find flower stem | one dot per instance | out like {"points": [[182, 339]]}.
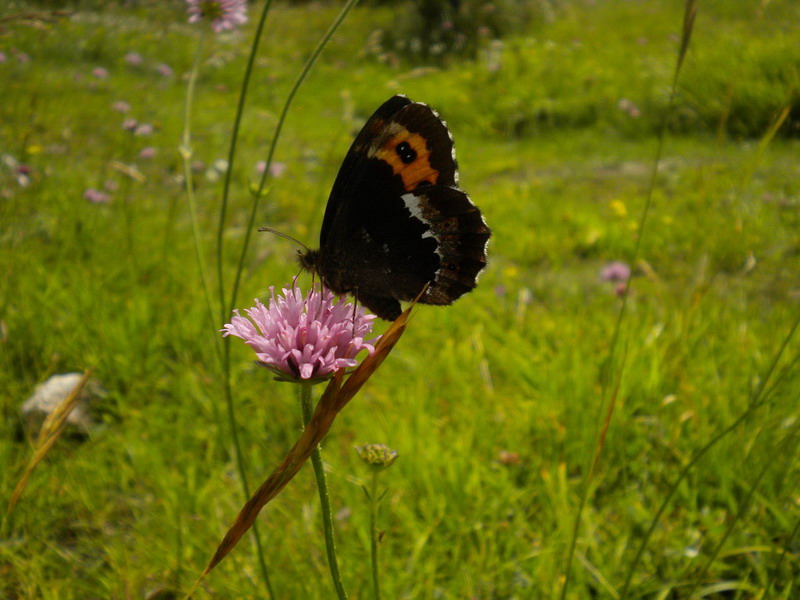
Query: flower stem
{"points": [[237, 121], [349, 4], [373, 529], [324, 500], [186, 156]]}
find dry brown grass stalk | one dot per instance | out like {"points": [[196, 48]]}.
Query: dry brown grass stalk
{"points": [[339, 392], [51, 430]]}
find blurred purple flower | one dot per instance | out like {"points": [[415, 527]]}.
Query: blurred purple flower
{"points": [[223, 14], [110, 185], [143, 129], [133, 58], [23, 57], [2, 57], [629, 107], [130, 124], [148, 152], [121, 106], [100, 72], [96, 196], [616, 272], [276, 169], [304, 338], [165, 70]]}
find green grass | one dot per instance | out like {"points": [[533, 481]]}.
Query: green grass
{"points": [[519, 366]]}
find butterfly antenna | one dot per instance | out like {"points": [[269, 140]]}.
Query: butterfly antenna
{"points": [[285, 236]]}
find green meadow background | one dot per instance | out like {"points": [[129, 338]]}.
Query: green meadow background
{"points": [[687, 399]]}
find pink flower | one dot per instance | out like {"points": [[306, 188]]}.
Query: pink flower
{"points": [[133, 58], [143, 129], [223, 14], [629, 107], [616, 272], [121, 106], [100, 72], [96, 196], [2, 57], [276, 169], [165, 70], [304, 338], [148, 152], [130, 124]]}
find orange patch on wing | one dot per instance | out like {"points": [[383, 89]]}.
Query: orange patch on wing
{"points": [[419, 169]]}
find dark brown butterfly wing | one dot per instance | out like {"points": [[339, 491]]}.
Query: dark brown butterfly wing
{"points": [[395, 220]]}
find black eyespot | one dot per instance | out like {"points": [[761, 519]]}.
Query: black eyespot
{"points": [[406, 153]]}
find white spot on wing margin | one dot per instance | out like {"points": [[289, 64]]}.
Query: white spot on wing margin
{"points": [[412, 204]]}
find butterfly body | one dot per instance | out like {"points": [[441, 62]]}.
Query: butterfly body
{"points": [[396, 221]]}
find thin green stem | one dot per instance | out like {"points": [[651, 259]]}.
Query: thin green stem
{"points": [[186, 155], [226, 310], [689, 15], [758, 399], [789, 543], [744, 506], [260, 192], [225, 355], [373, 529], [324, 499], [237, 121], [241, 466]]}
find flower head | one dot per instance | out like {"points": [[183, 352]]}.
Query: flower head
{"points": [[133, 58], [223, 14], [165, 70], [616, 272], [96, 196], [143, 129], [306, 338], [121, 106], [377, 456], [276, 169]]}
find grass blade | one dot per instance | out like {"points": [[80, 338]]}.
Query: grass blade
{"points": [[690, 13], [51, 430], [759, 398]]}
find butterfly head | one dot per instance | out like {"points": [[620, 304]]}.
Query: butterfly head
{"points": [[309, 260]]}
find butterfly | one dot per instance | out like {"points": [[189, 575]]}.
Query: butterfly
{"points": [[396, 220]]}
